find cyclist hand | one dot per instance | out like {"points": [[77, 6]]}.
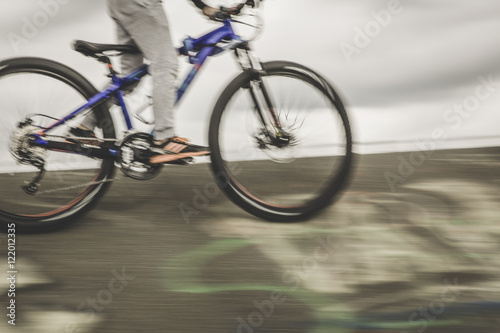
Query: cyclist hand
{"points": [[210, 12]]}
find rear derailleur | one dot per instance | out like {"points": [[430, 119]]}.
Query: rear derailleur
{"points": [[25, 152]]}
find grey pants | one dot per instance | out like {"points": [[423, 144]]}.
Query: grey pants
{"points": [[143, 23]]}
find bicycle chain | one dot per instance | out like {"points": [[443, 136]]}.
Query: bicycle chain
{"points": [[65, 188], [79, 138]]}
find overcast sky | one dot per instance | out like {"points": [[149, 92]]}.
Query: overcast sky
{"points": [[399, 65]]}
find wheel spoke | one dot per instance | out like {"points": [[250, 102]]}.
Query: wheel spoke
{"points": [[282, 175], [43, 93]]}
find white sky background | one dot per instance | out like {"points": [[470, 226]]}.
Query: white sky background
{"points": [[398, 88]]}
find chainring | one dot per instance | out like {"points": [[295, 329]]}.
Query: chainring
{"points": [[134, 155]]}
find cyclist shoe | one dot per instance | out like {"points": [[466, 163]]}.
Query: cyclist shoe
{"points": [[176, 148], [83, 133]]}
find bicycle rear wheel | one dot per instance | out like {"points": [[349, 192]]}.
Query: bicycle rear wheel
{"points": [[44, 91], [278, 179]]}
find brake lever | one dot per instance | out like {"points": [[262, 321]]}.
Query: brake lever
{"points": [[220, 16], [226, 12]]}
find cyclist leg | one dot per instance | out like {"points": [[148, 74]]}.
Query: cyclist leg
{"points": [[147, 26], [128, 61]]}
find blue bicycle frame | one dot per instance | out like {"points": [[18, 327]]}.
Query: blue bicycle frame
{"points": [[198, 50]]}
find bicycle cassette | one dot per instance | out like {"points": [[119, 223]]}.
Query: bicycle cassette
{"points": [[20, 146], [134, 155]]}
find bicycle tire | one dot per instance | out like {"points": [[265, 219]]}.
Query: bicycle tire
{"points": [[19, 70], [248, 199]]}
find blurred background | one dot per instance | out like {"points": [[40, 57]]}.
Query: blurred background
{"points": [[407, 248], [401, 66]]}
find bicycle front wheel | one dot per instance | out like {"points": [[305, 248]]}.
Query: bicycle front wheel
{"points": [[44, 91], [272, 177]]}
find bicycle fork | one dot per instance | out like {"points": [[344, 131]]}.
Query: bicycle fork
{"points": [[263, 103]]}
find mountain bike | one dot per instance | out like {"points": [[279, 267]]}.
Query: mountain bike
{"points": [[279, 134]]}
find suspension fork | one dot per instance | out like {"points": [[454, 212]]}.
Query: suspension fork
{"points": [[258, 85], [249, 63]]}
